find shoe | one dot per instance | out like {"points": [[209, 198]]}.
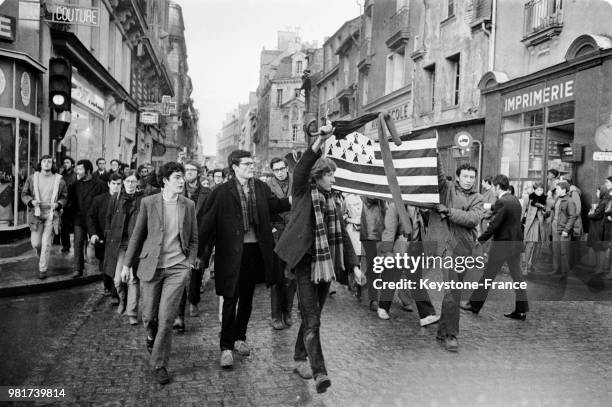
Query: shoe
{"points": [[288, 321], [383, 314], [429, 320], [407, 307], [469, 307], [242, 348], [322, 382], [114, 301], [520, 316], [179, 325], [161, 375], [278, 324], [42, 275], [133, 320], [451, 344], [193, 310], [303, 369], [150, 342], [77, 274], [227, 358], [374, 306]]}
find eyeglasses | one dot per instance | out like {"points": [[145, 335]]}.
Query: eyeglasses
{"points": [[280, 169], [131, 181]]}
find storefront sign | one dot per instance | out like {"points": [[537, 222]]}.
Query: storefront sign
{"points": [[26, 88], [87, 96], [149, 118], [74, 14], [602, 155], [547, 93], [7, 28], [400, 114]]}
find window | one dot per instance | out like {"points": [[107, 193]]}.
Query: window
{"points": [[454, 64], [395, 71], [429, 100], [279, 97], [451, 8], [364, 90], [345, 70], [294, 133], [298, 67]]}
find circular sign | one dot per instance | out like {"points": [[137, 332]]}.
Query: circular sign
{"points": [[603, 137], [25, 88], [2, 82], [463, 139]]}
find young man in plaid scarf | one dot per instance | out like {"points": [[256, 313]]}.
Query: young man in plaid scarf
{"points": [[316, 246]]}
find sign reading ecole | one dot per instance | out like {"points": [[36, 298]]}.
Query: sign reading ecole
{"points": [[551, 92]]}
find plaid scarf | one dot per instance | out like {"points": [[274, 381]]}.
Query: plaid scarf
{"points": [[328, 250], [247, 204]]}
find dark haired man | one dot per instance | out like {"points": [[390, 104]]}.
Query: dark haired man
{"points": [[80, 198], [165, 244], [564, 217], [452, 232], [283, 292], [101, 172], [237, 222], [67, 224], [505, 228], [217, 175], [115, 166], [45, 193], [489, 196]]}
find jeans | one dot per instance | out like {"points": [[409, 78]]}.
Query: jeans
{"points": [[369, 247], [496, 260], [234, 324], [80, 244], [282, 295], [160, 300], [192, 291], [131, 293], [311, 299], [42, 239], [66, 228]]}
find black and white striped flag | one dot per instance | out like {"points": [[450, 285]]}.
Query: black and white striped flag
{"points": [[361, 170]]}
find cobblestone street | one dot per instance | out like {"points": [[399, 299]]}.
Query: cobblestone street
{"points": [[561, 356]]}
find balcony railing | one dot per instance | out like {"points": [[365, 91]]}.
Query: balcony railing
{"points": [[543, 16], [397, 28]]}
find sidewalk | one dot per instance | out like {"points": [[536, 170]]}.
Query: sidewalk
{"points": [[19, 275]]}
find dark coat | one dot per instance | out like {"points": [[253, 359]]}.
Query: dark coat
{"points": [[199, 199], [80, 198], [600, 229], [96, 221], [505, 227], [298, 238], [114, 225], [102, 177], [222, 227]]}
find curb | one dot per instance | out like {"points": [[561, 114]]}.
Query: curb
{"points": [[39, 286]]}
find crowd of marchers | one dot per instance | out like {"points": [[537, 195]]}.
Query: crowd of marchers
{"points": [[158, 236]]}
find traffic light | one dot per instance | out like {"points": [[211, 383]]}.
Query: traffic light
{"points": [[60, 84]]}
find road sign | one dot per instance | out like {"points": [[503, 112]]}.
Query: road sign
{"points": [[167, 106], [602, 155], [463, 139], [74, 14], [149, 118]]}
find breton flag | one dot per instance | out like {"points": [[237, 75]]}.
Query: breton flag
{"points": [[361, 171]]}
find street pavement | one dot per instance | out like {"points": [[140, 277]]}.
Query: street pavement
{"points": [[560, 356]]}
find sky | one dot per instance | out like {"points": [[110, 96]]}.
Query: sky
{"points": [[224, 40]]}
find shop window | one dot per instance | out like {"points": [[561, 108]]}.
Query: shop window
{"points": [[522, 157], [512, 123], [7, 171], [534, 118], [561, 112]]}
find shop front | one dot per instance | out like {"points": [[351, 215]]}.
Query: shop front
{"points": [[20, 139]]}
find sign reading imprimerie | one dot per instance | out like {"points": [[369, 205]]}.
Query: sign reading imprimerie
{"points": [[74, 14], [547, 93]]}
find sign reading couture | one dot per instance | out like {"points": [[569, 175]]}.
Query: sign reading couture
{"points": [[543, 94], [74, 14]]}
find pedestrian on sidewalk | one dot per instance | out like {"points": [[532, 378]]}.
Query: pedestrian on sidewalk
{"points": [[451, 231], [283, 292], [600, 231], [316, 246], [371, 228], [505, 229], [45, 194], [101, 172], [198, 195], [164, 241], [96, 227], [67, 223], [535, 229], [563, 218], [80, 198], [120, 222], [237, 221]]}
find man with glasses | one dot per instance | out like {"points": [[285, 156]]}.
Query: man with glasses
{"points": [[237, 221], [282, 293]]}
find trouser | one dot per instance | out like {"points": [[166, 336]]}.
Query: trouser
{"points": [[42, 239], [449, 316], [128, 293], [191, 293], [496, 259], [561, 247], [282, 295], [600, 261], [80, 244], [107, 280], [160, 299], [66, 228], [369, 247], [532, 252], [311, 299], [234, 323]]}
